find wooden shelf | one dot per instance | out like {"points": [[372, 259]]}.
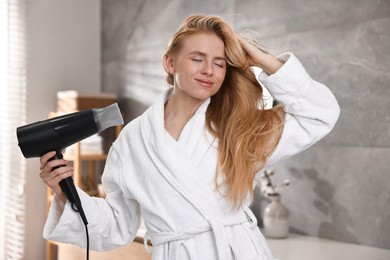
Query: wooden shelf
{"points": [[86, 157]]}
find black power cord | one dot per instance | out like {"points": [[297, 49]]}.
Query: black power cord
{"points": [[78, 208], [86, 232]]}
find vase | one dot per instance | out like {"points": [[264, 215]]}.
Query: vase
{"points": [[275, 219]]}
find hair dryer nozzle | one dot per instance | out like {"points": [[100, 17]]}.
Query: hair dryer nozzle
{"points": [[107, 117]]}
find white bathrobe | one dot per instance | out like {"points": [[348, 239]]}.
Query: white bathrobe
{"points": [[171, 183]]}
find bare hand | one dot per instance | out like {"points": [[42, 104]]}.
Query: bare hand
{"points": [[52, 177], [259, 58], [253, 52]]}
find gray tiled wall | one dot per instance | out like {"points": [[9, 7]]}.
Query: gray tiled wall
{"points": [[339, 186]]}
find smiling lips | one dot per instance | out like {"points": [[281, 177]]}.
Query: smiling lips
{"points": [[205, 83]]}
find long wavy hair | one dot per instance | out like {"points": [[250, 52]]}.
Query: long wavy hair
{"points": [[247, 133]]}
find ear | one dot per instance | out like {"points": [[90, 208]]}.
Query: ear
{"points": [[168, 63]]}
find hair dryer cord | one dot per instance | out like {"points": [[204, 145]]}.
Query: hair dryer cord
{"points": [[78, 208]]}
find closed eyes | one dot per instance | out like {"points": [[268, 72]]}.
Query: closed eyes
{"points": [[201, 60]]}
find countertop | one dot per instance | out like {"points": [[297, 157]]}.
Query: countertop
{"points": [[313, 248], [301, 247]]}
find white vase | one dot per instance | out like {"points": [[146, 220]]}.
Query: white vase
{"points": [[275, 219]]}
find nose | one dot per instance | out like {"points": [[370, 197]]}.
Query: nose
{"points": [[208, 69]]}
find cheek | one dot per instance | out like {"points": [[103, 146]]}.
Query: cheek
{"points": [[221, 75], [186, 70], [221, 79]]}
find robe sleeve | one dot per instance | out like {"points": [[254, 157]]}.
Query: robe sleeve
{"points": [[113, 221], [311, 109]]}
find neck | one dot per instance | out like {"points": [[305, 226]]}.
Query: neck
{"points": [[177, 112], [181, 107]]}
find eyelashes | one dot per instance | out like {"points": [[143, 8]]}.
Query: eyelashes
{"points": [[201, 60]]}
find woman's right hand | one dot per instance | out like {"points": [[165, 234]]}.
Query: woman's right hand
{"points": [[52, 177]]}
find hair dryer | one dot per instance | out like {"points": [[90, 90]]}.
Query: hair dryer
{"points": [[55, 134]]}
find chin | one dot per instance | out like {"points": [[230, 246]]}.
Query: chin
{"points": [[203, 96]]}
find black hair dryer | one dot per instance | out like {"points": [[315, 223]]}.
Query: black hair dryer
{"points": [[55, 134]]}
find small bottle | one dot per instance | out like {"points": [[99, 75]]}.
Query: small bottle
{"points": [[275, 219]]}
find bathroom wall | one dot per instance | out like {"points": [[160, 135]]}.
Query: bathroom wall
{"points": [[63, 53], [339, 186]]}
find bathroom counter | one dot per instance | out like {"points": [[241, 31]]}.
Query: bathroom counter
{"points": [[301, 247], [309, 248]]}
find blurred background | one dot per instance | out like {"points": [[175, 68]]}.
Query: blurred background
{"points": [[339, 187]]}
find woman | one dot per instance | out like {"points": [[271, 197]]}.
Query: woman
{"points": [[188, 163]]}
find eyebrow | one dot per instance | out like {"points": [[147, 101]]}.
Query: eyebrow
{"points": [[204, 55]]}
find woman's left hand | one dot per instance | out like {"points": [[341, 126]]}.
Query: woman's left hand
{"points": [[255, 55], [259, 58]]}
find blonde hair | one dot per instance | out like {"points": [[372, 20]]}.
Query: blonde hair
{"points": [[246, 132]]}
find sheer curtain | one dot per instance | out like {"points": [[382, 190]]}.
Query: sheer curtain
{"points": [[12, 115]]}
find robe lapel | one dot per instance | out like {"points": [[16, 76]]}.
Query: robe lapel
{"points": [[179, 170]]}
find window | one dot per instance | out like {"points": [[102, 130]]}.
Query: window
{"points": [[12, 115]]}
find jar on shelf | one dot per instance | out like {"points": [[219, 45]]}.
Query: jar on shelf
{"points": [[275, 219]]}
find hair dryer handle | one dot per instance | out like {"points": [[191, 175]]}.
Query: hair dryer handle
{"points": [[67, 186], [70, 191]]}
